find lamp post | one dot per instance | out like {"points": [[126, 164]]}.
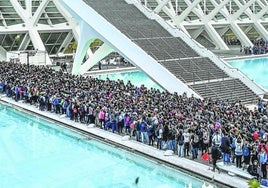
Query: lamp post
{"points": [[28, 63], [28, 54]]}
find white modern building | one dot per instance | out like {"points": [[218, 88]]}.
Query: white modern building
{"points": [[217, 21], [27, 25], [45, 25]]}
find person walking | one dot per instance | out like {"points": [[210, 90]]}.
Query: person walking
{"points": [[215, 155]]}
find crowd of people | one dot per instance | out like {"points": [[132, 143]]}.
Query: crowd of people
{"points": [[260, 46], [188, 126]]}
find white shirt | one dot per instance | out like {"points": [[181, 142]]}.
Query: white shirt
{"points": [[217, 139], [186, 137]]}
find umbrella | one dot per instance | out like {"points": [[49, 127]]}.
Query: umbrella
{"points": [[205, 157]]}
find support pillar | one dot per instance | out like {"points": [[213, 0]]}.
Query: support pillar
{"points": [[86, 37], [102, 52]]}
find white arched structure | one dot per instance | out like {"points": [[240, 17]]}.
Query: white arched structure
{"points": [[92, 26], [34, 25], [33, 19], [214, 17]]}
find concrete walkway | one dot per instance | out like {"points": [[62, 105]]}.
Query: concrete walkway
{"points": [[201, 170], [232, 170]]}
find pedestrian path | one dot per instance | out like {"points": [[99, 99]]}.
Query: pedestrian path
{"points": [[233, 170]]}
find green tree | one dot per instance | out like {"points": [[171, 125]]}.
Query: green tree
{"points": [[254, 183]]}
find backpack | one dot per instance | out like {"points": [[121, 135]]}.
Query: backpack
{"points": [[157, 132], [246, 151], [137, 126], [65, 104], [149, 121], [206, 139], [233, 143], [127, 120], [239, 148], [120, 118], [181, 140], [196, 138], [217, 140]]}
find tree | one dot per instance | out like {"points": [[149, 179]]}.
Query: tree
{"points": [[254, 183]]}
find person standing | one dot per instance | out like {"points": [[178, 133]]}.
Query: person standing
{"points": [[90, 114], [102, 118], [143, 129], [159, 136], [263, 162], [120, 123], [205, 141], [217, 138], [186, 145], [180, 140], [225, 148], [232, 139], [150, 133], [16, 92], [246, 155], [238, 151], [137, 130], [194, 142]]}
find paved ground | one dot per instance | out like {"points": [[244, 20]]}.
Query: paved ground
{"points": [[197, 167]]}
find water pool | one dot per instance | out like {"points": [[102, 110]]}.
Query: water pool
{"points": [[256, 69], [37, 153], [137, 78]]}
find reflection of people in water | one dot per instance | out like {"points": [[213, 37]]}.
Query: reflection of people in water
{"points": [[253, 169]]}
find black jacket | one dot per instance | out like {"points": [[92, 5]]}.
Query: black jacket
{"points": [[215, 153]]}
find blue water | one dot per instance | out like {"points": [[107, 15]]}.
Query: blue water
{"points": [[137, 78], [256, 69], [38, 153]]}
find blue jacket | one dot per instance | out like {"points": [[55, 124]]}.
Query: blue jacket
{"points": [[143, 126], [263, 157]]}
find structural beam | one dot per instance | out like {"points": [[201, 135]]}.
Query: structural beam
{"points": [[3, 54], [234, 27], [39, 11], [38, 43], [206, 20], [65, 43], [86, 37], [25, 42], [180, 18], [101, 53], [160, 6]]}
